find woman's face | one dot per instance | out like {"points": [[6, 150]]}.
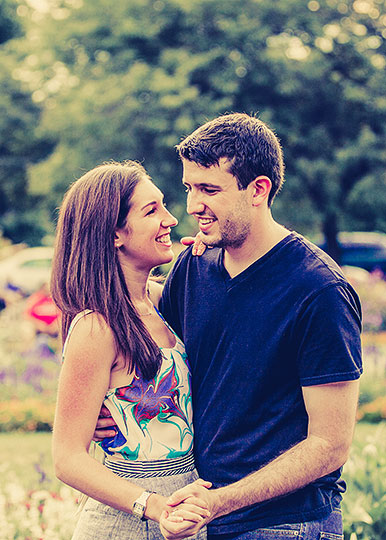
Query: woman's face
{"points": [[145, 238]]}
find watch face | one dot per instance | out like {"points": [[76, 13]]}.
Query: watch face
{"points": [[138, 509]]}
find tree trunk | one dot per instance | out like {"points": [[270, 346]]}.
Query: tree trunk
{"points": [[330, 231]]}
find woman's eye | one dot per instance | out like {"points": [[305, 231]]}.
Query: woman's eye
{"points": [[150, 212]]}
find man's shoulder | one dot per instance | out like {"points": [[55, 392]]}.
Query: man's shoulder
{"points": [[316, 264], [310, 272], [186, 260]]}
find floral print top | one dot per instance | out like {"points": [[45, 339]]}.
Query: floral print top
{"points": [[154, 418]]}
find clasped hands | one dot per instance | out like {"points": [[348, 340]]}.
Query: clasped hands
{"points": [[188, 510]]}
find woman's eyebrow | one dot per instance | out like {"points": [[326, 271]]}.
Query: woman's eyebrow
{"points": [[152, 202]]}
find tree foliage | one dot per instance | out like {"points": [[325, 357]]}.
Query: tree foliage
{"points": [[20, 144], [128, 79], [9, 25]]}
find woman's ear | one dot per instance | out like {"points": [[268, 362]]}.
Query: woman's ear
{"points": [[118, 242], [261, 188]]}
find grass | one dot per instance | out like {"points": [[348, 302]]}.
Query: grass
{"points": [[36, 506], [365, 431], [27, 456]]}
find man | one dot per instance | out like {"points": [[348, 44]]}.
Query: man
{"points": [[271, 329]]}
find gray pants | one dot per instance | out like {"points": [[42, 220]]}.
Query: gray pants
{"points": [[101, 522]]}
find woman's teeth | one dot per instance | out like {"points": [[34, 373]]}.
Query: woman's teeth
{"points": [[164, 239]]}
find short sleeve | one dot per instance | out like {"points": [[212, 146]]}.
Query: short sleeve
{"points": [[328, 336]]}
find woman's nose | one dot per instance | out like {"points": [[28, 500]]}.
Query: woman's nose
{"points": [[169, 220]]}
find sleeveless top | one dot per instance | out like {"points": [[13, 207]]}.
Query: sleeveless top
{"points": [[154, 418]]}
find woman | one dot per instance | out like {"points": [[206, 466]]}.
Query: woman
{"points": [[113, 229]]}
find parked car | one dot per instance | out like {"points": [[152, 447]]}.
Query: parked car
{"points": [[27, 270], [362, 249]]}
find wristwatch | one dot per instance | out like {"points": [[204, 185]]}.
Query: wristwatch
{"points": [[139, 505]]}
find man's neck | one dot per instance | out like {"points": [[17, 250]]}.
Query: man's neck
{"points": [[258, 243]]}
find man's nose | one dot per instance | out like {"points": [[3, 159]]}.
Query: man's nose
{"points": [[194, 204]]}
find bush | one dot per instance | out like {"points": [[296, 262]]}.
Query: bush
{"points": [[37, 515], [32, 414], [371, 288], [375, 411], [29, 371], [364, 504]]}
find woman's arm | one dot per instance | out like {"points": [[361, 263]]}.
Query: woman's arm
{"points": [[84, 379]]}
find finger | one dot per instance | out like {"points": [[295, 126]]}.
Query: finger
{"points": [[200, 510], [187, 240], [103, 423], [104, 412], [204, 483], [199, 249], [193, 503], [185, 515], [175, 518], [101, 434], [174, 528], [179, 496]]}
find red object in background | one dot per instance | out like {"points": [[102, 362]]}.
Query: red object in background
{"points": [[41, 308]]}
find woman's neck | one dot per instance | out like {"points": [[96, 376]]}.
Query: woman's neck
{"points": [[137, 284]]}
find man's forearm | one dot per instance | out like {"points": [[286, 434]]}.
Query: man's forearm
{"points": [[302, 464]]}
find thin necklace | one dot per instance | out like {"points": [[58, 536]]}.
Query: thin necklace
{"points": [[148, 313], [145, 314]]}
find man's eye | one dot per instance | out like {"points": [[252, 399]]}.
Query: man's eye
{"points": [[209, 191]]}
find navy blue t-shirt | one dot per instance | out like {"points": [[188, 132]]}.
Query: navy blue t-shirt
{"points": [[289, 320]]}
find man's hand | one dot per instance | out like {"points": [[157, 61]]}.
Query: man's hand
{"points": [[188, 510], [198, 245], [105, 427]]}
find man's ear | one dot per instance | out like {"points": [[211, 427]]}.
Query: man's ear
{"points": [[260, 190]]}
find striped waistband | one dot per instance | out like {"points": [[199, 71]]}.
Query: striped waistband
{"points": [[147, 469]]}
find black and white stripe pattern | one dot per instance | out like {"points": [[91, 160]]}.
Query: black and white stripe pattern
{"points": [[147, 469]]}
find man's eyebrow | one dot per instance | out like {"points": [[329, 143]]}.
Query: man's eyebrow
{"points": [[204, 184]]}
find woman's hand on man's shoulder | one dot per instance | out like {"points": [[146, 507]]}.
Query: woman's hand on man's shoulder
{"points": [[198, 245]]}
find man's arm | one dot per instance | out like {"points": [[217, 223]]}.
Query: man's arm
{"points": [[331, 410]]}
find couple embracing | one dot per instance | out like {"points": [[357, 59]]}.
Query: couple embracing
{"points": [[254, 347]]}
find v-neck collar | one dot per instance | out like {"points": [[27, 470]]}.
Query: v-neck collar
{"points": [[231, 282]]}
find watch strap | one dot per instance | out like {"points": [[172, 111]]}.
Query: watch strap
{"points": [[139, 505]]}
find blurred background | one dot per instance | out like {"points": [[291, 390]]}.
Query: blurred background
{"points": [[86, 81]]}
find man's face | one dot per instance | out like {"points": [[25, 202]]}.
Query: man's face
{"points": [[219, 206]]}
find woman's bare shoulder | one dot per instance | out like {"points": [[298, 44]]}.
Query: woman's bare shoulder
{"points": [[93, 335]]}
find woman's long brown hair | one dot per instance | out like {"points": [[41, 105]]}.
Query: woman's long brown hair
{"points": [[86, 273]]}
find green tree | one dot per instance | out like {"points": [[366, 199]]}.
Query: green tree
{"points": [[128, 79], [20, 145], [9, 25]]}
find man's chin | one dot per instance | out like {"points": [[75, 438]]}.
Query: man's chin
{"points": [[213, 243]]}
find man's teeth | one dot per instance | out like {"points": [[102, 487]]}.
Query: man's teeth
{"points": [[206, 221]]}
